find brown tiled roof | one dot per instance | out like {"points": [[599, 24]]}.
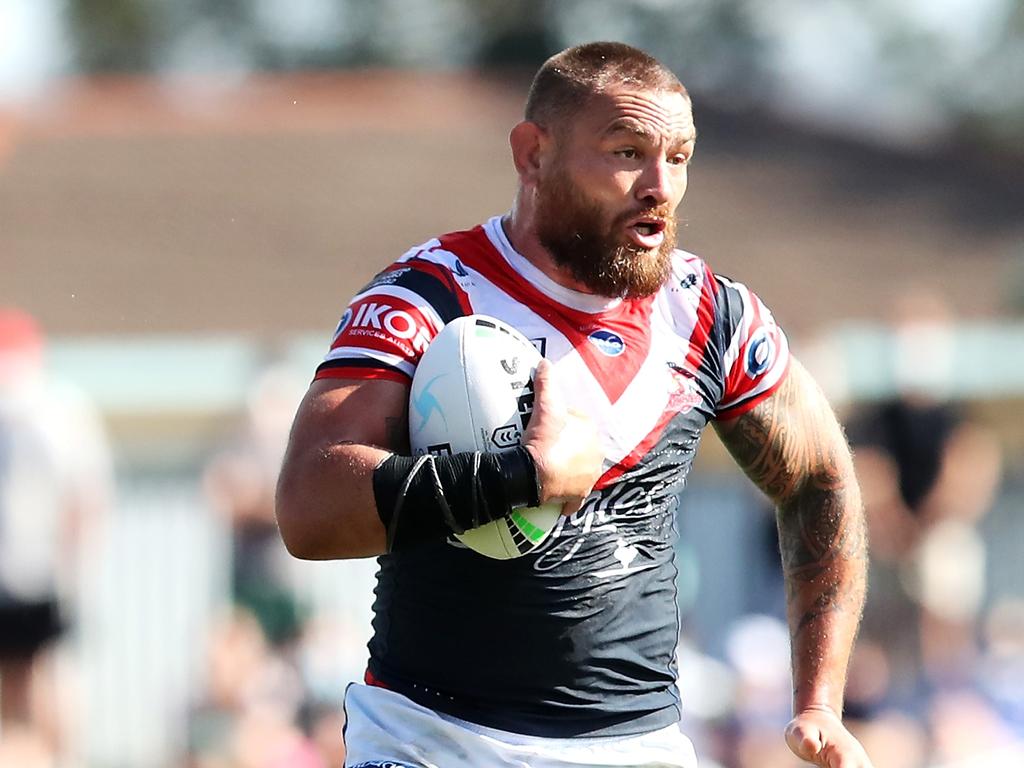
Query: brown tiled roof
{"points": [[131, 206]]}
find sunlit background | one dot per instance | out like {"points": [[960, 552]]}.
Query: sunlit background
{"points": [[191, 191]]}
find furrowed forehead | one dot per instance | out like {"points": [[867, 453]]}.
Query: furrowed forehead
{"points": [[651, 115]]}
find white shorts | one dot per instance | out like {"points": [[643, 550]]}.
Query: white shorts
{"points": [[386, 730]]}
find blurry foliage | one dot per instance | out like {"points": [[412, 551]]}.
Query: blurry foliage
{"points": [[995, 110], [978, 85], [512, 34], [722, 48], [113, 35]]}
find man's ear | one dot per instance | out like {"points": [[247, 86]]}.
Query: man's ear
{"points": [[530, 143]]}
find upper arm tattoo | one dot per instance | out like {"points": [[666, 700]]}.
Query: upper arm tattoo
{"points": [[792, 447]]}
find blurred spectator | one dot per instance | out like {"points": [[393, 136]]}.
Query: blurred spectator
{"points": [[264, 738], [324, 724], [55, 482], [757, 647], [929, 474], [240, 482], [925, 459], [253, 695], [267, 702], [257, 712]]}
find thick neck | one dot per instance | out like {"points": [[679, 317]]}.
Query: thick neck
{"points": [[520, 229]]}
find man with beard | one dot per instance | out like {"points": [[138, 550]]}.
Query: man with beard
{"points": [[566, 656]]}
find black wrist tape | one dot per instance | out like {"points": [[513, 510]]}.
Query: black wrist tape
{"points": [[428, 497]]}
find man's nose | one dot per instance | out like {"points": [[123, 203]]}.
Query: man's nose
{"points": [[655, 184]]}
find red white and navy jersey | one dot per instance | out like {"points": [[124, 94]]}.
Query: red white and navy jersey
{"points": [[579, 636]]}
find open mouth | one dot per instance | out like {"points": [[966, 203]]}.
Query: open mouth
{"points": [[649, 227], [647, 232]]}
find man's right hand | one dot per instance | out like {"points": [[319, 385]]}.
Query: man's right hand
{"points": [[564, 444]]}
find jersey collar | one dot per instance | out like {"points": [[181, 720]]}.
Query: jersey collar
{"points": [[581, 302]]}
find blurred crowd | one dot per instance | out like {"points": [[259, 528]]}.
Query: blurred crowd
{"points": [[55, 487], [937, 679], [937, 676], [276, 670]]}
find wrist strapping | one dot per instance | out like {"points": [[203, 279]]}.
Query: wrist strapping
{"points": [[429, 497]]}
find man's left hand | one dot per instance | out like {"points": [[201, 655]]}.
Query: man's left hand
{"points": [[819, 737]]}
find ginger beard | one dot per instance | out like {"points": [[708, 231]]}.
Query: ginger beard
{"points": [[574, 231]]}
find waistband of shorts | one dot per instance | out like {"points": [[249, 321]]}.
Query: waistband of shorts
{"points": [[505, 736]]}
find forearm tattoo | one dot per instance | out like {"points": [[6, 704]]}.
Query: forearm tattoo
{"points": [[791, 446]]}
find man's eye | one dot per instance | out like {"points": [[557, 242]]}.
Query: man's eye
{"points": [[679, 160], [628, 154]]}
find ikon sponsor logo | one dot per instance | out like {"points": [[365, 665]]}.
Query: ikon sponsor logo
{"points": [[506, 436], [396, 323]]}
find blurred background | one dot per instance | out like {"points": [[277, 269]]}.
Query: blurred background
{"points": [[190, 192]]}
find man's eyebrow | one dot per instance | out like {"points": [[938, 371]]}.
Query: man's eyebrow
{"points": [[625, 125]]}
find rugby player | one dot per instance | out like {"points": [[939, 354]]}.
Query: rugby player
{"points": [[566, 656]]}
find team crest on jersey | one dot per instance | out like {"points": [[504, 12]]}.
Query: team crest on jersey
{"points": [[683, 393], [760, 353], [607, 342], [343, 324]]}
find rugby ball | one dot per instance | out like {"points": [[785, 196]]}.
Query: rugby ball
{"points": [[473, 391]]}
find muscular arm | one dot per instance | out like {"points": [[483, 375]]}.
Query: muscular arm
{"points": [[792, 447], [343, 429], [326, 508]]}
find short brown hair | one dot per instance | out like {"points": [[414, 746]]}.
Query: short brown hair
{"points": [[568, 80]]}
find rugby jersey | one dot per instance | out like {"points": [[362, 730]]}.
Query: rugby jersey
{"points": [[578, 637]]}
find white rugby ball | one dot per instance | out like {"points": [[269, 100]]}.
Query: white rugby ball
{"points": [[473, 391]]}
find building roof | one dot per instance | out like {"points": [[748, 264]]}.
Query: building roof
{"points": [[129, 205]]}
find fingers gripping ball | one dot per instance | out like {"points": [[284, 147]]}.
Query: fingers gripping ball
{"points": [[473, 391]]}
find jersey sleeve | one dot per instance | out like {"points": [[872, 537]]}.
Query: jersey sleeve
{"points": [[391, 321], [756, 355]]}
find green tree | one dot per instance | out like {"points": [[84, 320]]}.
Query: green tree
{"points": [[113, 35]]}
